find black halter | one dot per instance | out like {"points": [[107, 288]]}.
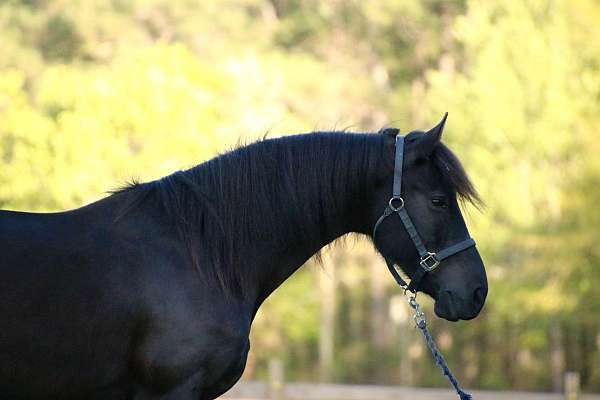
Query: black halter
{"points": [[429, 261]]}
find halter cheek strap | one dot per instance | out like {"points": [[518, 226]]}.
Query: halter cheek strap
{"points": [[428, 260]]}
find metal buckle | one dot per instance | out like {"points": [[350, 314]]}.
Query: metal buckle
{"points": [[419, 316], [429, 262], [400, 206]]}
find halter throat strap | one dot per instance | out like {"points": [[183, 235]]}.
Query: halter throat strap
{"points": [[428, 260]]}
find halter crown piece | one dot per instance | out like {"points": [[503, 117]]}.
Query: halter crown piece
{"points": [[429, 261]]}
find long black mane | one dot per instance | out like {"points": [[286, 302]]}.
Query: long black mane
{"points": [[243, 195], [246, 193]]}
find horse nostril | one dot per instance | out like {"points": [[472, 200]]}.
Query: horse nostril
{"points": [[479, 297]]}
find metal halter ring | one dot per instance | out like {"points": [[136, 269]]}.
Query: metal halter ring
{"points": [[429, 262], [396, 198]]}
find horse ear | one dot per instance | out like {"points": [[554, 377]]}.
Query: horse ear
{"points": [[432, 137], [389, 136], [393, 132]]}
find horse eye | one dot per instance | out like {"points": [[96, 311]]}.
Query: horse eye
{"points": [[439, 202]]}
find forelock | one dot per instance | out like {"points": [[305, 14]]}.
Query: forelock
{"points": [[453, 172]]}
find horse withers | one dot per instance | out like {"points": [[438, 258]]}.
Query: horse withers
{"points": [[150, 292]]}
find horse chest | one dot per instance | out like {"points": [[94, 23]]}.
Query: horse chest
{"points": [[230, 375], [194, 337]]}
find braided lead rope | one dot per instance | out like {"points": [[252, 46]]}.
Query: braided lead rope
{"points": [[419, 318]]}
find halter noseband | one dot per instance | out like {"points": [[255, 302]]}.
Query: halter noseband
{"points": [[429, 261]]}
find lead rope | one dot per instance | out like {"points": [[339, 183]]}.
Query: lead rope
{"points": [[421, 323]]}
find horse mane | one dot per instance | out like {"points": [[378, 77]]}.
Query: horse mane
{"points": [[222, 204]]}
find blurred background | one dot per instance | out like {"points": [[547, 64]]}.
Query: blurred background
{"points": [[93, 93]]}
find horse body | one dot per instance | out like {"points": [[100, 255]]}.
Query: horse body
{"points": [[94, 309], [150, 293]]}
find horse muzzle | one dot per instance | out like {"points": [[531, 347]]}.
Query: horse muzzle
{"points": [[453, 307]]}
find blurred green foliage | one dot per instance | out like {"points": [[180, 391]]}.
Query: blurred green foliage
{"points": [[95, 92]]}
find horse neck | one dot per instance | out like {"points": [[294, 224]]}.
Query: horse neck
{"points": [[299, 194]]}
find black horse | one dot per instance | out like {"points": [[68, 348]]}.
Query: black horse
{"points": [[150, 293]]}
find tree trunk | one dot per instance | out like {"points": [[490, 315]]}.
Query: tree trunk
{"points": [[327, 323], [557, 356], [379, 323]]}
